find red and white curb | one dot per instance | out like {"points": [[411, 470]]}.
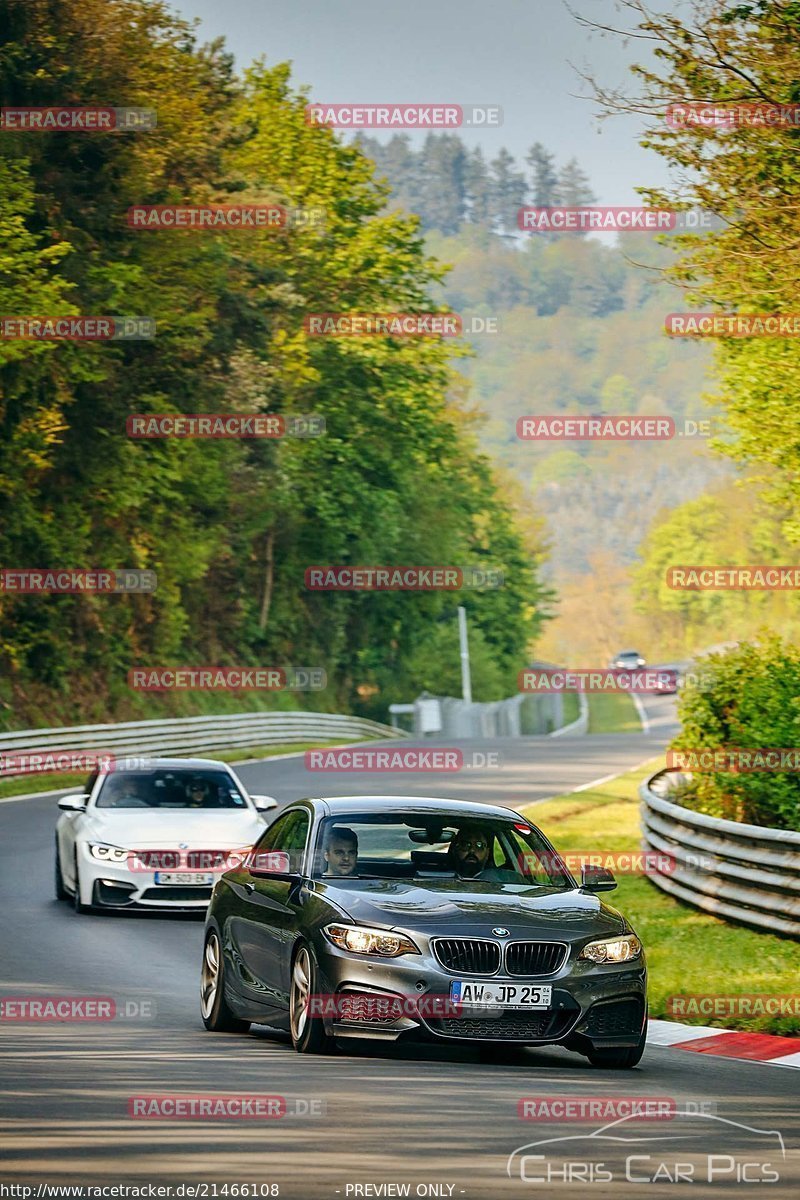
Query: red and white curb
{"points": [[727, 1043]]}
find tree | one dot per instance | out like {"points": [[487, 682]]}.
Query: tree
{"points": [[508, 189], [229, 526], [573, 188], [478, 189], [544, 180], [442, 192], [747, 174]]}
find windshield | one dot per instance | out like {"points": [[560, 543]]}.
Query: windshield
{"points": [[205, 789], [435, 846]]}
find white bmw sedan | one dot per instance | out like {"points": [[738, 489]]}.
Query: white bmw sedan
{"points": [[155, 834]]}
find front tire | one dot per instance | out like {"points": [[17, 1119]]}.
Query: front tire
{"points": [[308, 1033], [619, 1060], [217, 1015], [60, 890]]}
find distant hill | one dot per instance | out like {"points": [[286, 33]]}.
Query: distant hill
{"points": [[580, 332]]}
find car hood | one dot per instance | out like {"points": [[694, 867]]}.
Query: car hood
{"points": [[139, 829], [450, 907]]}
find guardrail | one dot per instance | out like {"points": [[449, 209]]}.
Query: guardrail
{"points": [[580, 725], [187, 734], [517, 716], [744, 873]]}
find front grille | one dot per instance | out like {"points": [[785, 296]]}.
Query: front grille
{"points": [[615, 1018], [184, 860], [176, 893], [468, 956], [535, 958], [511, 1027]]}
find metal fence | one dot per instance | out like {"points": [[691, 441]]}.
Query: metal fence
{"points": [[189, 735], [744, 873], [517, 716]]}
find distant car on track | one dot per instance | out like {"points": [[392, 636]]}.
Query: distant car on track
{"points": [[155, 834], [668, 677], [627, 660], [403, 918]]}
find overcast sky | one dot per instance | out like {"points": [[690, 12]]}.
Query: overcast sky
{"points": [[512, 53]]}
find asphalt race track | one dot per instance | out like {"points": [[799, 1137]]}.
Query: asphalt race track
{"points": [[442, 1120]]}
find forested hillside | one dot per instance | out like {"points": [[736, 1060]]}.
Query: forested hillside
{"points": [[228, 526], [580, 331]]}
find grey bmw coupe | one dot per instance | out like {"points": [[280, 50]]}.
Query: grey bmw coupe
{"points": [[402, 918]]}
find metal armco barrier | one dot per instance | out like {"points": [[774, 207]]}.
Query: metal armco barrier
{"points": [[744, 873], [518, 716], [188, 735]]}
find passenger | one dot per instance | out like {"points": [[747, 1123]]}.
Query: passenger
{"points": [[469, 854]]}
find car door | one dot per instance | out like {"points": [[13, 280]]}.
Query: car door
{"points": [[264, 926]]}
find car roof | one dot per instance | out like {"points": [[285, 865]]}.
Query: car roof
{"points": [[433, 804], [147, 763]]}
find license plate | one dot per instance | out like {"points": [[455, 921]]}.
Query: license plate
{"points": [[198, 878], [500, 995]]}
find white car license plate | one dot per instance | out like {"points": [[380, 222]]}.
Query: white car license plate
{"points": [[500, 995], [198, 878]]}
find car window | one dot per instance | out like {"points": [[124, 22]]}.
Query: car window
{"points": [[288, 833], [162, 788], [414, 845]]}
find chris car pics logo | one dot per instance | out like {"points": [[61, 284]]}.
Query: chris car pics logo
{"points": [[694, 1147]]}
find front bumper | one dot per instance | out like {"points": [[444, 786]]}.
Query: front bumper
{"points": [[116, 885], [592, 1005]]}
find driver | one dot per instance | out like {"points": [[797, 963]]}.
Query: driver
{"points": [[341, 851], [131, 791]]}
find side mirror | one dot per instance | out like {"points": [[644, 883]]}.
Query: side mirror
{"points": [[74, 803], [268, 864], [264, 803], [597, 879]]}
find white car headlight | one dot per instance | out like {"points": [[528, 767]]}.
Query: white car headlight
{"points": [[359, 939], [108, 854], [613, 950]]}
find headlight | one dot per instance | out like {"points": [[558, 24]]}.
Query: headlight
{"points": [[361, 940], [614, 950], [108, 854]]}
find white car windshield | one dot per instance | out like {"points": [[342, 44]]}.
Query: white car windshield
{"points": [[174, 788]]}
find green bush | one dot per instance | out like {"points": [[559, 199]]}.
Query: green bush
{"points": [[746, 697]]}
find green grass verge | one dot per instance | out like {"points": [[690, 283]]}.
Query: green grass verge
{"points": [[21, 785], [572, 708], [688, 952], [612, 712]]}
